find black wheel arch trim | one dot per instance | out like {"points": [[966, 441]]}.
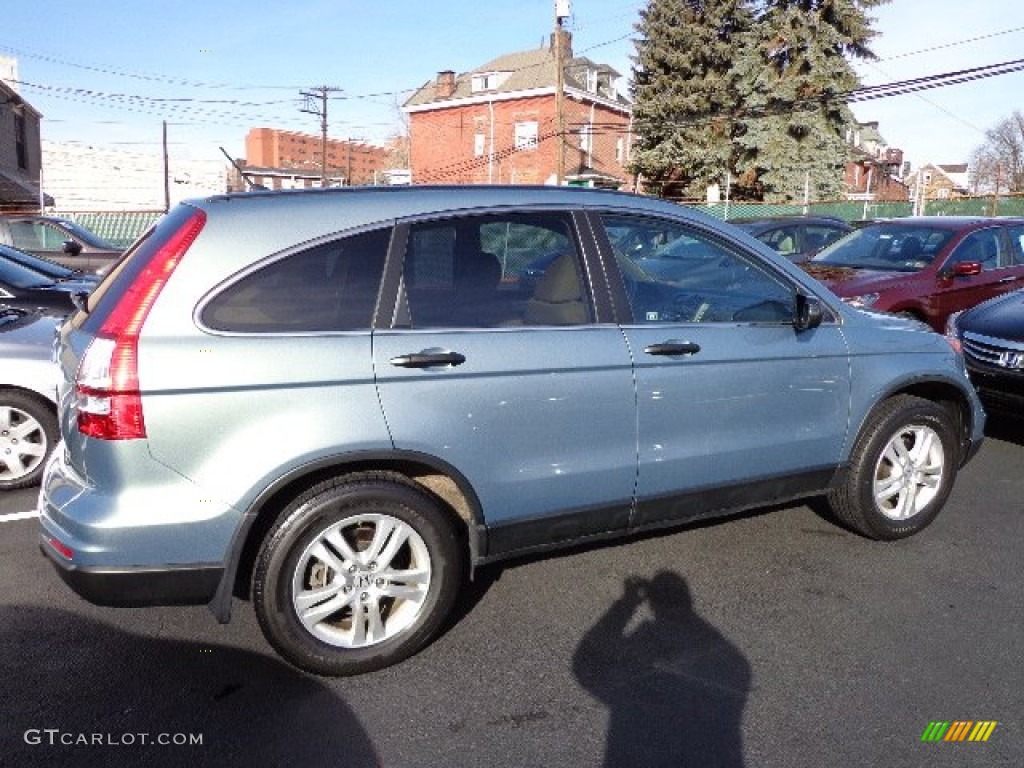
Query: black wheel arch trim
{"points": [[968, 446], [220, 604]]}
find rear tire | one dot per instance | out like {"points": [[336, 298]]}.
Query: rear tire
{"points": [[358, 574], [902, 470], [28, 433]]}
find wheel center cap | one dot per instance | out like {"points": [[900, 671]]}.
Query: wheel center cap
{"points": [[362, 580]]}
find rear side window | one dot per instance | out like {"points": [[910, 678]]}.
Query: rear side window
{"points": [[329, 287], [494, 271]]}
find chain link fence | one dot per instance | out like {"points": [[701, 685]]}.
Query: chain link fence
{"points": [[852, 210], [122, 227]]}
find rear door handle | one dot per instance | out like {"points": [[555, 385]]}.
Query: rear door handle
{"points": [[428, 359], [673, 348], [1010, 279]]}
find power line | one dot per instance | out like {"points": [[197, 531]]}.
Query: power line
{"points": [[953, 44]]}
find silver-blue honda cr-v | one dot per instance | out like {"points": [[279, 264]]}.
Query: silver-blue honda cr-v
{"points": [[337, 403]]}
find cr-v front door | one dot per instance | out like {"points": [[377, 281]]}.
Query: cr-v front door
{"points": [[496, 363], [733, 402]]}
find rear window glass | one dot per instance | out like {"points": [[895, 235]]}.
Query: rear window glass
{"points": [[329, 287]]}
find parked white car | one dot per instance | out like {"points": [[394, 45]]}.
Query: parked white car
{"points": [[28, 391]]}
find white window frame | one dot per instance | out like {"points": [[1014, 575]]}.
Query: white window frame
{"points": [[526, 135], [479, 145], [487, 81]]}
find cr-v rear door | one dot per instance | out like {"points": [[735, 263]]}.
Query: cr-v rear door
{"points": [[499, 363]]}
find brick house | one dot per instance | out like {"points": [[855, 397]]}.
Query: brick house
{"points": [[354, 161], [875, 170], [498, 124]]}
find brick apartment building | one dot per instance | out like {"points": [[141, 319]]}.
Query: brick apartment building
{"points": [[270, 148], [498, 123]]}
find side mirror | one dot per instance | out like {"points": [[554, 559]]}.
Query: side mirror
{"points": [[966, 268], [72, 247], [807, 312]]}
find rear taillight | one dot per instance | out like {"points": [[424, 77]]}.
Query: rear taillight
{"points": [[107, 396]]}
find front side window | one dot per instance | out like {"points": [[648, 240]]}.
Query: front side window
{"points": [[329, 287], [985, 247], [26, 236], [673, 273], [782, 240], [1016, 244], [494, 271]]}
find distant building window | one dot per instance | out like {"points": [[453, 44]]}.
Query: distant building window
{"points": [[526, 135], [620, 149], [21, 141], [585, 139], [487, 81], [479, 144]]}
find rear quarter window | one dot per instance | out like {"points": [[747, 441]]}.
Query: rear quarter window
{"points": [[329, 287]]}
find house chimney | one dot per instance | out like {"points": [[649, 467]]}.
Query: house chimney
{"points": [[566, 37], [445, 84]]}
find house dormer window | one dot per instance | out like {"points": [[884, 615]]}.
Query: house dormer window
{"points": [[488, 81]]}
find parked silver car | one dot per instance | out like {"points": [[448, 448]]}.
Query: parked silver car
{"points": [[28, 390], [339, 402]]}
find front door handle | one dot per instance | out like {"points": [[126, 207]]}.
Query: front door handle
{"points": [[1010, 279], [428, 359], [673, 348]]}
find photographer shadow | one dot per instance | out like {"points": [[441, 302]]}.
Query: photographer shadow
{"points": [[674, 686]]}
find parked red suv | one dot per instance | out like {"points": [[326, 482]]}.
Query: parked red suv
{"points": [[927, 267]]}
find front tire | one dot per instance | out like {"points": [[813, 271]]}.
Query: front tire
{"points": [[902, 470], [358, 574]]}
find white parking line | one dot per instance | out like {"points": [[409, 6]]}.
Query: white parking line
{"points": [[18, 516]]}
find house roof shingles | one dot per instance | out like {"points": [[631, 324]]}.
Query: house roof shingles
{"points": [[528, 70]]}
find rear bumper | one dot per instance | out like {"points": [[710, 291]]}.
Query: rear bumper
{"points": [[139, 545], [136, 587]]}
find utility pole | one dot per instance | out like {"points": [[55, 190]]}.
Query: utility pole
{"points": [[321, 111], [167, 173], [561, 13]]}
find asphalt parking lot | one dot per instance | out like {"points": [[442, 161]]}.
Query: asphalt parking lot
{"points": [[772, 639]]}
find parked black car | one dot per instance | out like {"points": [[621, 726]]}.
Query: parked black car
{"points": [[59, 240], [25, 288], [992, 335], [795, 237]]}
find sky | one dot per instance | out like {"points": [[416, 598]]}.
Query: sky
{"points": [[109, 73]]}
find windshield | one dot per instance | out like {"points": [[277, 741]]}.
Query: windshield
{"points": [[892, 247]]}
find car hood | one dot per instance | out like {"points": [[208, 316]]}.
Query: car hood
{"points": [[847, 281], [1001, 318]]}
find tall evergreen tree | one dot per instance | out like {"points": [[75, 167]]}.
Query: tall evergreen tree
{"points": [[684, 92], [793, 67]]}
